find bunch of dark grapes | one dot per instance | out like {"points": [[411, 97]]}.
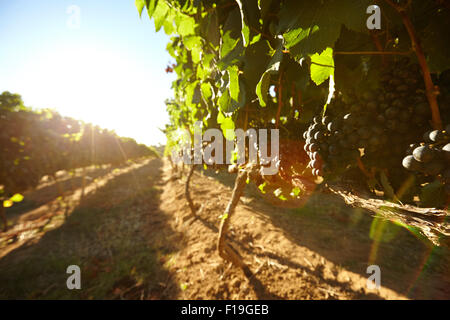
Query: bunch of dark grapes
{"points": [[399, 112], [380, 122], [332, 145], [431, 158]]}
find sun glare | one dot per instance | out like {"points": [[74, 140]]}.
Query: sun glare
{"points": [[96, 85]]}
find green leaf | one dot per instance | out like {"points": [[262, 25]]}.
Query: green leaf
{"points": [[227, 126], [196, 99], [295, 36], [310, 28], [194, 44], [261, 187], [322, 66], [202, 74], [185, 25], [220, 117], [262, 88], [257, 57], [190, 93], [233, 24], [16, 198], [224, 101], [295, 192], [233, 72], [207, 90], [245, 28], [7, 203], [240, 102], [229, 50], [151, 6], [140, 4], [160, 14], [168, 23], [209, 27], [228, 44]]}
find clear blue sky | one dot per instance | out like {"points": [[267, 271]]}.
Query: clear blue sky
{"points": [[105, 67]]}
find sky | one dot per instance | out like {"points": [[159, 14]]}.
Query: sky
{"points": [[95, 61]]}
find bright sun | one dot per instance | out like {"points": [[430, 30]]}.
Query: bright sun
{"points": [[99, 86]]}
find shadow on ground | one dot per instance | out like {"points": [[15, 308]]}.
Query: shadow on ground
{"points": [[345, 236], [49, 192], [118, 237]]}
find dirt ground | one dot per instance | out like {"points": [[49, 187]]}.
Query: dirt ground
{"points": [[133, 238]]}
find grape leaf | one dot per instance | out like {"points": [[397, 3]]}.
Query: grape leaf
{"points": [[7, 203], [140, 4], [257, 57], [185, 25], [322, 66], [262, 87], [151, 6], [160, 13], [210, 31], [207, 90], [245, 29], [16, 197], [312, 27], [233, 72], [227, 125]]}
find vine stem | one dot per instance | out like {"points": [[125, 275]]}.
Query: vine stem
{"points": [[187, 192], [430, 89], [363, 168], [226, 252], [379, 47]]}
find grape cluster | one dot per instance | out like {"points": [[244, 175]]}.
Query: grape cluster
{"points": [[398, 111], [331, 145], [431, 158], [379, 122]]}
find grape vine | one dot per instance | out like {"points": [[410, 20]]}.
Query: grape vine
{"points": [[34, 144], [342, 96]]}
